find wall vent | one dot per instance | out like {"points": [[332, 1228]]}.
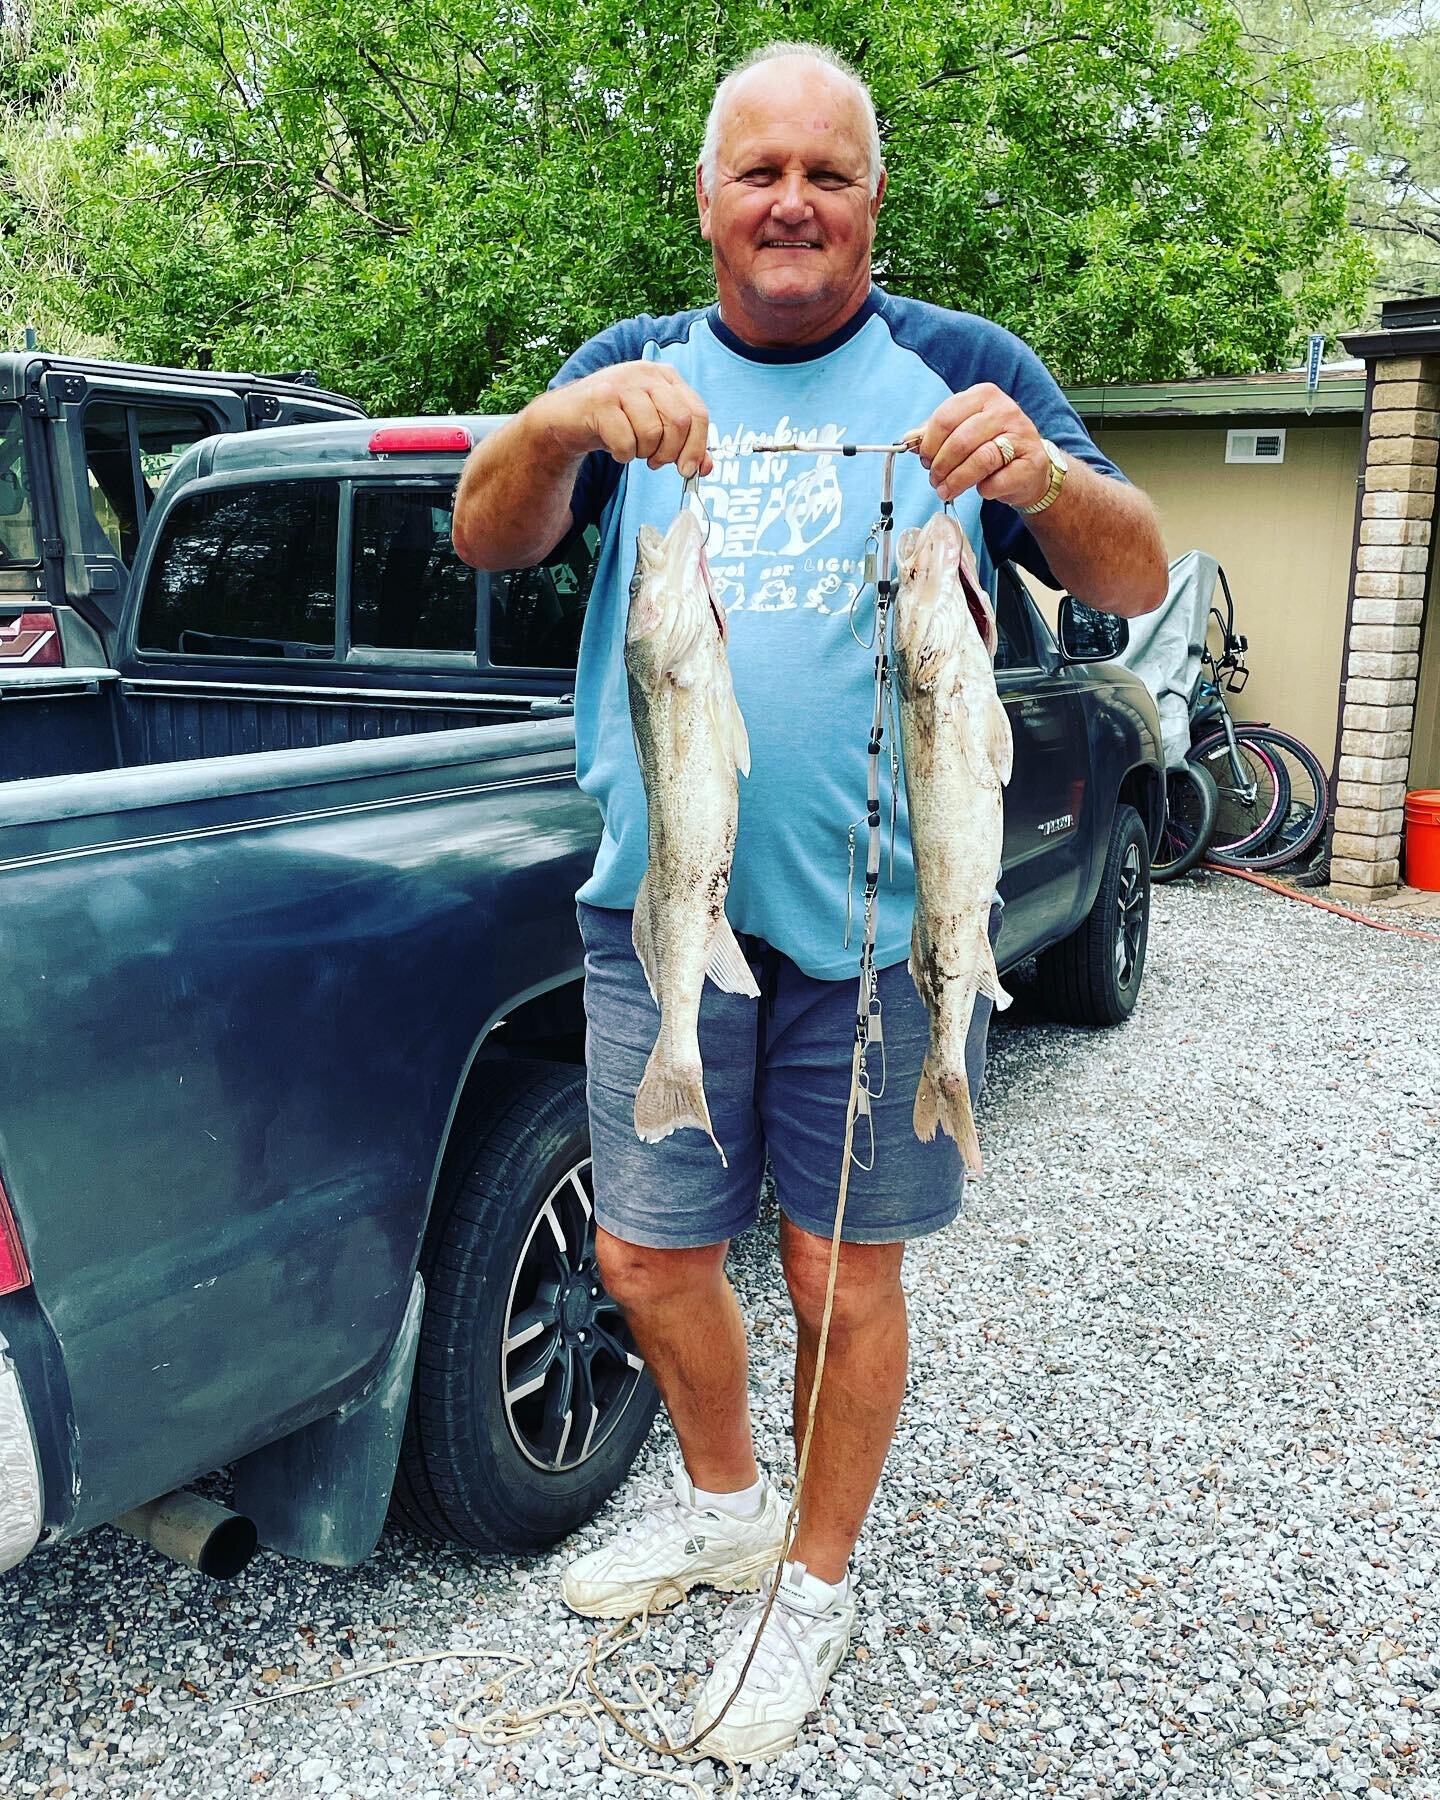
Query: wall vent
{"points": [[1255, 446]]}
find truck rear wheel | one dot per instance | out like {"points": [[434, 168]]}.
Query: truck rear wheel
{"points": [[530, 1401], [1093, 976]]}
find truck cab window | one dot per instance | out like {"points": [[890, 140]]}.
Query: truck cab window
{"points": [[246, 571], [408, 588], [536, 614], [128, 452], [1013, 629], [17, 520]]}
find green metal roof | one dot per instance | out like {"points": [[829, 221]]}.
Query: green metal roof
{"points": [[1341, 391]]}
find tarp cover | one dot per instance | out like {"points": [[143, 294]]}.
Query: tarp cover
{"points": [[1165, 646]]}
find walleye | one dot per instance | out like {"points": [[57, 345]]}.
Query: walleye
{"points": [[958, 754], [690, 740]]}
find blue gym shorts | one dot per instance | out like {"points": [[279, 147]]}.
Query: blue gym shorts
{"points": [[777, 1078]]}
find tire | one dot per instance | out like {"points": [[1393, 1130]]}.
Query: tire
{"points": [[1093, 976], [487, 1460], [1192, 802], [1302, 792], [1253, 798]]}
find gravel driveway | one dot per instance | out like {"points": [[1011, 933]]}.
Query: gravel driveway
{"points": [[1164, 1512]]}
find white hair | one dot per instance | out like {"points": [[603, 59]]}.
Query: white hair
{"points": [[815, 54]]}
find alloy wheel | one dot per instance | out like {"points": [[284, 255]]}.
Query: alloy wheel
{"points": [[568, 1365]]}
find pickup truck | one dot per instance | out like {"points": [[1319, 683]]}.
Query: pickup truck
{"points": [[294, 1167]]}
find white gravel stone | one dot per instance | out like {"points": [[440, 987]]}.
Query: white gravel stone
{"points": [[1161, 1511]]}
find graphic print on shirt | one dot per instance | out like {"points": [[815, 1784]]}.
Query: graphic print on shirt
{"points": [[769, 514]]}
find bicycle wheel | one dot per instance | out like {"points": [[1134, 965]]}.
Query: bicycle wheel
{"points": [[1304, 795], [1253, 788], [1192, 804]]}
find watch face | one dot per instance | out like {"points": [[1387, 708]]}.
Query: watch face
{"points": [[1057, 456]]}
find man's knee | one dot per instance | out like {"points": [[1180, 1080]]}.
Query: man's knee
{"points": [[637, 1275], [867, 1282]]}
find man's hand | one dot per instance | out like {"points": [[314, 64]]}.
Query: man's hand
{"points": [[958, 447], [513, 502], [1100, 536], [634, 411]]}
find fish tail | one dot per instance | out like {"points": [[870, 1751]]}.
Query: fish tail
{"points": [[943, 1101], [671, 1096]]}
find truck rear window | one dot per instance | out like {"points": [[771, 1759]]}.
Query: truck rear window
{"points": [[246, 571], [408, 588], [17, 522], [536, 615]]}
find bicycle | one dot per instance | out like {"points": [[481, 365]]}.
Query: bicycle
{"points": [[1271, 796]]}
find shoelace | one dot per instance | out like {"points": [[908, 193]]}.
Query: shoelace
{"points": [[782, 1642], [662, 1512]]}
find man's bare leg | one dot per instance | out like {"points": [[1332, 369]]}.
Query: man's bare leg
{"points": [[682, 1310], [860, 1392]]}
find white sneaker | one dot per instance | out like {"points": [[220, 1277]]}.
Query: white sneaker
{"points": [[672, 1547], [805, 1638]]}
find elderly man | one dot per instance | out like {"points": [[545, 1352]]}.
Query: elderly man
{"points": [[801, 346]]}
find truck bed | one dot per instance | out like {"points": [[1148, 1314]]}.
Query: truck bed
{"points": [[79, 721]]}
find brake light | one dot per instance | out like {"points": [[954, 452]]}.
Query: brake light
{"points": [[392, 439], [33, 639], [14, 1270]]}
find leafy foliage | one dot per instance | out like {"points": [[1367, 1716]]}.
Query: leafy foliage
{"points": [[1375, 69], [432, 204]]}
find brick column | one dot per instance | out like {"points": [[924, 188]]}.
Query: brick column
{"points": [[1382, 656]]}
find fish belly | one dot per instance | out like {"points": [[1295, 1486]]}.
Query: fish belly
{"points": [[957, 829], [680, 930]]}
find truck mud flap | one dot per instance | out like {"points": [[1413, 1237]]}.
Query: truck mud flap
{"points": [[321, 1494]]}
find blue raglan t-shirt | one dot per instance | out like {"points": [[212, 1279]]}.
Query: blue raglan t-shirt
{"points": [[786, 551]]}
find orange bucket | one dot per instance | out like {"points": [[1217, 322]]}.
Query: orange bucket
{"points": [[1422, 839]]}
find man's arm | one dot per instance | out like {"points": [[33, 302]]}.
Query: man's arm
{"points": [[513, 503], [1102, 539], [1100, 536]]}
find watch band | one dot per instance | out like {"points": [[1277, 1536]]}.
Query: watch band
{"points": [[1057, 481]]}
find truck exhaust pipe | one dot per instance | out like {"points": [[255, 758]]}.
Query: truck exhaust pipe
{"points": [[195, 1531]]}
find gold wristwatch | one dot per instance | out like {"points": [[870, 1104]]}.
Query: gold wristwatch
{"points": [[1059, 464]]}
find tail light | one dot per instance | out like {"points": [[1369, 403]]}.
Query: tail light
{"points": [[14, 1270], [33, 639], [392, 438]]}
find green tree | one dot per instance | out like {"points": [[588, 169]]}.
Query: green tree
{"points": [[1375, 69], [432, 204]]}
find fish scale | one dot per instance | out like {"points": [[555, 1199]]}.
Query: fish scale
{"points": [[691, 743], [958, 755]]}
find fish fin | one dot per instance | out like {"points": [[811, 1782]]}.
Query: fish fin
{"points": [[643, 938], [988, 976], [729, 724], [668, 1099], [727, 966], [999, 740], [944, 1101]]}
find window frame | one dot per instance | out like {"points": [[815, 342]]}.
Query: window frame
{"points": [[143, 574], [1032, 617], [409, 664], [377, 656], [27, 462], [539, 670], [129, 404]]}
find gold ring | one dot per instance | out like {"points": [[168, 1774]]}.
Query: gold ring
{"points": [[1006, 449]]}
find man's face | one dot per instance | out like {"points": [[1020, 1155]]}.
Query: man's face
{"points": [[792, 218]]}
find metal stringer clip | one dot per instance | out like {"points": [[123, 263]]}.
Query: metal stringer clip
{"points": [[862, 1108], [850, 886], [875, 1033]]}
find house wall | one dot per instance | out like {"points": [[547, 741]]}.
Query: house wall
{"points": [[1283, 535]]}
